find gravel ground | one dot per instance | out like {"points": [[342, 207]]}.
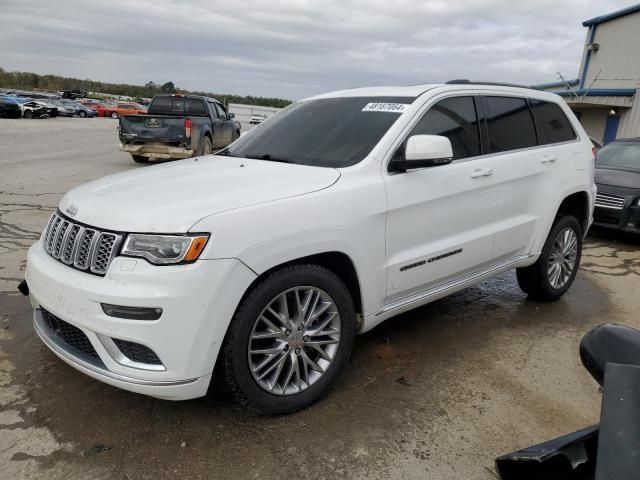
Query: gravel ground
{"points": [[436, 393]]}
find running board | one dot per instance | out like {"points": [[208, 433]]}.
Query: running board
{"points": [[423, 297]]}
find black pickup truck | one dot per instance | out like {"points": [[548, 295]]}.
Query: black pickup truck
{"points": [[177, 126]]}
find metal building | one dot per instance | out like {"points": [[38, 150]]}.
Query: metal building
{"points": [[605, 96]]}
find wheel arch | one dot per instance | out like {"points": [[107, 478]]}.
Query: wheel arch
{"points": [[576, 204], [336, 262]]}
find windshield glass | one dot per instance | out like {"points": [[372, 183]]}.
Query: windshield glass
{"points": [[621, 155], [332, 132]]}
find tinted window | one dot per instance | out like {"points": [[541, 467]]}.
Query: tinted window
{"points": [[456, 119], [510, 124], [619, 155], [219, 111], [329, 132], [177, 105], [553, 125]]}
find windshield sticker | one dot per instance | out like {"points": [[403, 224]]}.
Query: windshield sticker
{"points": [[385, 107]]}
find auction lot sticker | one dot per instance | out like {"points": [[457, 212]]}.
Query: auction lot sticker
{"points": [[385, 107]]}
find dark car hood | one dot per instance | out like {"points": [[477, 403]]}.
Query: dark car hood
{"points": [[618, 178]]}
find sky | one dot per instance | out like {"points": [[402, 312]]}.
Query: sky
{"points": [[296, 48]]}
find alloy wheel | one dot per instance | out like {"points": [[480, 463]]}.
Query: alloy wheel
{"points": [[294, 340], [562, 258]]}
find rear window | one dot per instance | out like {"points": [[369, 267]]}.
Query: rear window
{"points": [[553, 125], [177, 105], [510, 124]]}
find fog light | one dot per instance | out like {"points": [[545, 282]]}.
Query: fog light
{"points": [[132, 313]]}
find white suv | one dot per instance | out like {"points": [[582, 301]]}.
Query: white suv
{"points": [[257, 266]]}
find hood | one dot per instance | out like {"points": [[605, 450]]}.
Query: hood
{"points": [[618, 178], [171, 197]]}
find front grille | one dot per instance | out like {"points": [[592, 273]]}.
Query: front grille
{"points": [[609, 200], [72, 338], [136, 352], [79, 246]]}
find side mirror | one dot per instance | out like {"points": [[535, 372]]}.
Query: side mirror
{"points": [[231, 116], [424, 151]]}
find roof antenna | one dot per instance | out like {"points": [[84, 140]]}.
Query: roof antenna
{"points": [[567, 85], [591, 84]]}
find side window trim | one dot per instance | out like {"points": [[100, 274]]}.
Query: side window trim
{"points": [[535, 121]]}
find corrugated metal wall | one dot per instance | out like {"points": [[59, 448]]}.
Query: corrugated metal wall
{"points": [[630, 120], [618, 56]]}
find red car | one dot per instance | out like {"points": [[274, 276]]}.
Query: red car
{"points": [[114, 111]]}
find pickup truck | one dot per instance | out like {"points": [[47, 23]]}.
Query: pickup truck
{"points": [[177, 126]]}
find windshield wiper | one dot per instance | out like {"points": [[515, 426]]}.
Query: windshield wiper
{"points": [[269, 158]]}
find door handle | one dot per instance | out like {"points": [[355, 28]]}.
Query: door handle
{"points": [[549, 159], [482, 172]]}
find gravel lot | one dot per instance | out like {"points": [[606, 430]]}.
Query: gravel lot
{"points": [[436, 393]]}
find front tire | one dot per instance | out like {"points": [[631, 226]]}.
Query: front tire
{"points": [[82, 114], [288, 340], [114, 114], [554, 272]]}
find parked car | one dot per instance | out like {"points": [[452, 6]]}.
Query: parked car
{"points": [[9, 108], [178, 126], [38, 109], [77, 108], [91, 104], [64, 109], [264, 261], [618, 181], [257, 118], [119, 109]]}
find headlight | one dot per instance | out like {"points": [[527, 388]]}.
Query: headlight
{"points": [[165, 249]]}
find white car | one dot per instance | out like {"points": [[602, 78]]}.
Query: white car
{"points": [[257, 118], [258, 266]]}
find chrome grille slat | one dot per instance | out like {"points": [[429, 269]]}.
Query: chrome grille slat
{"points": [[609, 200], [80, 247]]}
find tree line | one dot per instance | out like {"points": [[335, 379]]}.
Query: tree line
{"points": [[56, 83]]}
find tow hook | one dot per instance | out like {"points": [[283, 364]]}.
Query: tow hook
{"points": [[23, 288]]}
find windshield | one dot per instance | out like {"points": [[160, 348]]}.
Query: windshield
{"points": [[621, 155], [332, 132]]}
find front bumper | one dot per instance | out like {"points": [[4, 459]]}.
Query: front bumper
{"points": [[152, 150], [186, 338], [626, 219]]}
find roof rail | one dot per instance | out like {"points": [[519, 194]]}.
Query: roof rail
{"points": [[464, 81]]}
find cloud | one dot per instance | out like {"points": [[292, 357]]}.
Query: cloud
{"points": [[295, 48]]}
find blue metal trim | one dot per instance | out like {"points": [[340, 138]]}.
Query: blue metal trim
{"points": [[612, 15], [600, 92], [583, 75], [557, 84]]}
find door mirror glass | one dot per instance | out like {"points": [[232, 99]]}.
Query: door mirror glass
{"points": [[231, 116], [424, 151]]}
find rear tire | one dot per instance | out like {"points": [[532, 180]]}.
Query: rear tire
{"points": [[114, 114], [206, 146], [140, 159], [28, 114], [292, 343], [554, 272]]}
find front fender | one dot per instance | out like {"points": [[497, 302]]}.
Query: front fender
{"points": [[264, 256]]}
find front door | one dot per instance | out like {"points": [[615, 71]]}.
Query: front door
{"points": [[439, 218]]}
